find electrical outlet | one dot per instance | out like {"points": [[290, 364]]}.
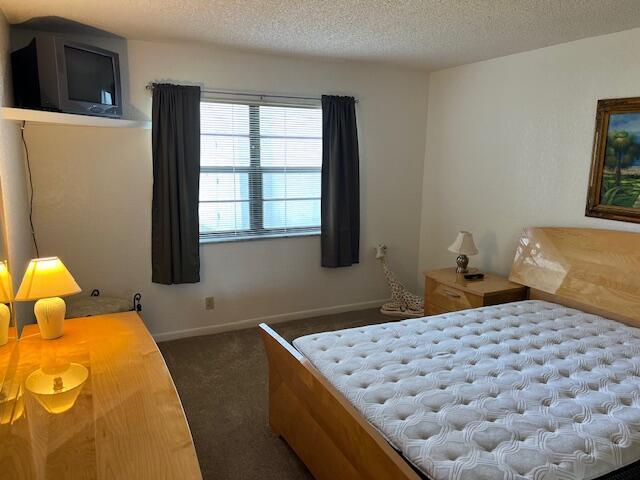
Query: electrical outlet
{"points": [[209, 303]]}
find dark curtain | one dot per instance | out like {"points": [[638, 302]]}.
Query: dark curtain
{"points": [[340, 204], [175, 247]]}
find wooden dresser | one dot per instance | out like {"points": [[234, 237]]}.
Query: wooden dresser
{"points": [[448, 291], [127, 421]]}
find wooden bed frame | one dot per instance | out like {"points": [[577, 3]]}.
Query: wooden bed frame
{"points": [[597, 271]]}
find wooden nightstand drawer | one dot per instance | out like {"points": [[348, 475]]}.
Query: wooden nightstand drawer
{"points": [[450, 298], [432, 309]]}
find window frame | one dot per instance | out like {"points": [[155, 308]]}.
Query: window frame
{"points": [[255, 172]]}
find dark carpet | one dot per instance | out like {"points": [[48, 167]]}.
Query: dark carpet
{"points": [[222, 382]]}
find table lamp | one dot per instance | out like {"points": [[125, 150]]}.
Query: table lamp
{"points": [[46, 280], [463, 246], [6, 294]]}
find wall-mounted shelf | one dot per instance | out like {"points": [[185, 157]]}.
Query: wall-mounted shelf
{"points": [[39, 116]]}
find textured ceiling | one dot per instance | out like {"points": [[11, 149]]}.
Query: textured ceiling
{"points": [[428, 33]]}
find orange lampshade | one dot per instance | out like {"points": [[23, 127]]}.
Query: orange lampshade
{"points": [[44, 278], [6, 289]]}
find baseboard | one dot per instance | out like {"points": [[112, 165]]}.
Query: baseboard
{"points": [[252, 322]]}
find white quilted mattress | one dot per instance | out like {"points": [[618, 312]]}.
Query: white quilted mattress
{"points": [[523, 390]]}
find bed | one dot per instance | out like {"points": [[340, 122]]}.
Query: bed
{"points": [[546, 388]]}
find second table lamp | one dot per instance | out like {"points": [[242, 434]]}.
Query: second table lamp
{"points": [[464, 247], [46, 280]]}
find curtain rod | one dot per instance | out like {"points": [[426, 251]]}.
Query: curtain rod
{"points": [[247, 94]]}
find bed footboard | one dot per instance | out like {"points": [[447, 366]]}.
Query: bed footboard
{"points": [[327, 433]]}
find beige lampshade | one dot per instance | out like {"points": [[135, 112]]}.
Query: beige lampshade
{"points": [[463, 245], [6, 289], [44, 278]]}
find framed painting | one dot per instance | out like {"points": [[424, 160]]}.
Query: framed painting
{"points": [[614, 183]]}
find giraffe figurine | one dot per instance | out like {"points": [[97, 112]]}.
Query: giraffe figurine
{"points": [[403, 303]]}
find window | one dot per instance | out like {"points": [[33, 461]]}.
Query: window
{"points": [[259, 170]]}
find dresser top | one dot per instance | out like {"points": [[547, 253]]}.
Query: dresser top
{"points": [[491, 284], [126, 422]]}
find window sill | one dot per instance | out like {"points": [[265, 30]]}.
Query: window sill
{"points": [[206, 240]]}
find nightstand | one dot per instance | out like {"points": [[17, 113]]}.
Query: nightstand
{"points": [[448, 291]]}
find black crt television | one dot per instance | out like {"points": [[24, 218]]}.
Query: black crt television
{"points": [[58, 75]]}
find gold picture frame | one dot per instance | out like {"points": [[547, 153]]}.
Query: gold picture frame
{"points": [[614, 181]]}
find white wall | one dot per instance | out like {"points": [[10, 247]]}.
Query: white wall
{"points": [[509, 144], [12, 176], [93, 193]]}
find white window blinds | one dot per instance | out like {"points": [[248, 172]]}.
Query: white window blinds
{"points": [[260, 170]]}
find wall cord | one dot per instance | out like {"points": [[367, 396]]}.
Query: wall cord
{"points": [[26, 152]]}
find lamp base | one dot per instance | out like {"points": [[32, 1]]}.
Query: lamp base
{"points": [[463, 262], [50, 316], [5, 320]]}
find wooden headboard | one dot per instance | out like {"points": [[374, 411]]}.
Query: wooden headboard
{"points": [[593, 270]]}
